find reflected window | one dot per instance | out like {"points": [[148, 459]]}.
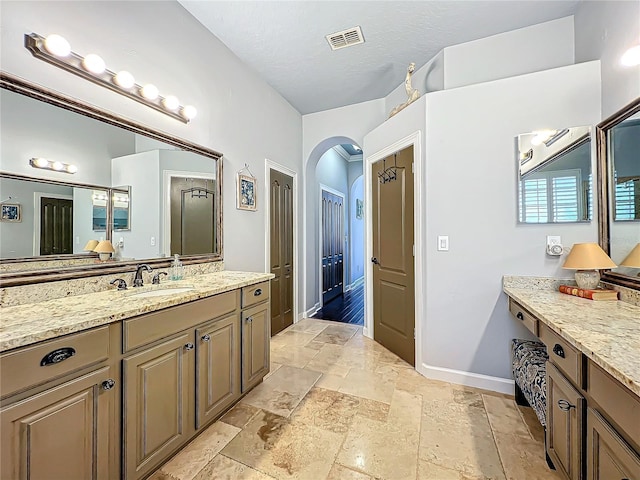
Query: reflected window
{"points": [[551, 197]]}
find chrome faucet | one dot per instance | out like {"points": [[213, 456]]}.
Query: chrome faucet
{"points": [[138, 281]]}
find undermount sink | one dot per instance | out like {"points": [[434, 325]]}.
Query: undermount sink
{"points": [[160, 292]]}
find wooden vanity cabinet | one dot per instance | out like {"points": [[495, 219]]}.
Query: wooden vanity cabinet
{"points": [[256, 335]]}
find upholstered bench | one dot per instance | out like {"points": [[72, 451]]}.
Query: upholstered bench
{"points": [[529, 373]]}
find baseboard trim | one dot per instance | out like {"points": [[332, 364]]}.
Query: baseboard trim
{"points": [[469, 379], [365, 332], [309, 313], [355, 284]]}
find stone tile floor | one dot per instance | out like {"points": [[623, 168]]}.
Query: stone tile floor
{"points": [[338, 406]]}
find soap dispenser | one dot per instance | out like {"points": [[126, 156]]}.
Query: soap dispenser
{"points": [[177, 271]]}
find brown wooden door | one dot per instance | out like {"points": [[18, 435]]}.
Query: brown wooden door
{"points": [[393, 269], [332, 246], [565, 412], [56, 226], [281, 256], [156, 404], [62, 433], [255, 345], [193, 223], [217, 367]]}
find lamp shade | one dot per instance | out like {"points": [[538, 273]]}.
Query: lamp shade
{"points": [[90, 246], [104, 246], [633, 259], [588, 256]]}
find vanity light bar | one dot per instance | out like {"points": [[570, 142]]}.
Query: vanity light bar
{"points": [[57, 51], [56, 166]]}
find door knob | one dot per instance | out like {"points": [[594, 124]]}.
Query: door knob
{"points": [[189, 346], [108, 384], [375, 260], [206, 338]]}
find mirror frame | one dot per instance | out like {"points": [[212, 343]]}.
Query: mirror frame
{"points": [[9, 279], [604, 190]]}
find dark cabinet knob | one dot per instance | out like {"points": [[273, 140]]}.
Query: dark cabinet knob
{"points": [[258, 292], [565, 406], [57, 356], [558, 350], [108, 384], [189, 346], [519, 316], [206, 337], [249, 319], [375, 260]]}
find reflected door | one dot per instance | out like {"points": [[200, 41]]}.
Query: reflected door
{"points": [[332, 246], [56, 226], [281, 257], [393, 269], [192, 216]]}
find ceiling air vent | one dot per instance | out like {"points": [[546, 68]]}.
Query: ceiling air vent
{"points": [[345, 38]]}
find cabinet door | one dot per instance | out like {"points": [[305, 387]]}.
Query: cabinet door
{"points": [[256, 334], [565, 417], [155, 408], [608, 455], [217, 367], [62, 433]]}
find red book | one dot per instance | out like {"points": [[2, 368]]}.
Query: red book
{"points": [[589, 294]]}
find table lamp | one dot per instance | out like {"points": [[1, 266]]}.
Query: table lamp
{"points": [[633, 259], [91, 244], [104, 249], [587, 259]]}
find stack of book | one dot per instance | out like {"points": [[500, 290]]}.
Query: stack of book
{"points": [[597, 294]]}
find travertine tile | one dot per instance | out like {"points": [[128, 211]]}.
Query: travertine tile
{"points": [[504, 416], [327, 409], [308, 325], [225, 468], [523, 458], [330, 382], [272, 369], [287, 339], [363, 383], [340, 472], [285, 450], [195, 456], [293, 355], [240, 415], [430, 471], [337, 335], [533, 425], [326, 361]]}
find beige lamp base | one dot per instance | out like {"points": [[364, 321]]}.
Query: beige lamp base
{"points": [[588, 279]]}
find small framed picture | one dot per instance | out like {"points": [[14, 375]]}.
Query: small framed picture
{"points": [[11, 212], [246, 194], [359, 208]]}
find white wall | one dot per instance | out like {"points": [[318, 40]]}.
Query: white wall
{"points": [[83, 219], [468, 327], [238, 113], [356, 229], [604, 30], [525, 50]]}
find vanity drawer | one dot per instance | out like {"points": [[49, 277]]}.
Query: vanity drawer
{"points": [[37, 364], [525, 317], [164, 323], [253, 294], [560, 352], [618, 403]]}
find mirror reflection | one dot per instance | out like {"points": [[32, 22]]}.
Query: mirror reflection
{"points": [[555, 181], [624, 174], [81, 203]]}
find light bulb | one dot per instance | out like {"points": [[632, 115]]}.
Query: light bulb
{"points": [[124, 79], [170, 102], [57, 45], [631, 57], [72, 168], [189, 112], [57, 166], [94, 64], [149, 91], [41, 162]]}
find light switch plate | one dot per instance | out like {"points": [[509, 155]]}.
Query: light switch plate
{"points": [[443, 243]]}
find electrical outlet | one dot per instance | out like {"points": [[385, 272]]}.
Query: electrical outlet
{"points": [[153, 241], [443, 243]]}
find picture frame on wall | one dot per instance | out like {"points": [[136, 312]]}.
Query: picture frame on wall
{"points": [[11, 212], [359, 208], [246, 195]]}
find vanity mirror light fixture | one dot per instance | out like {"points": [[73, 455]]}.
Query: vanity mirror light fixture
{"points": [[56, 50], [56, 166]]}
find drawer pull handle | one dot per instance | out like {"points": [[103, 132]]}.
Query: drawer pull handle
{"points": [[57, 356], [108, 384], [258, 292], [189, 346], [558, 350], [565, 406], [519, 316], [249, 319], [206, 338]]}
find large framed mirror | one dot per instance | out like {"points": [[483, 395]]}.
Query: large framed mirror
{"points": [[618, 147], [120, 188], [554, 176]]}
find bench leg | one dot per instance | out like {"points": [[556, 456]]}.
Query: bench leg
{"points": [[520, 398]]}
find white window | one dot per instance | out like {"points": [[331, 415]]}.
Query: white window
{"points": [[625, 204]]}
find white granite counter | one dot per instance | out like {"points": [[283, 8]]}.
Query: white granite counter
{"points": [[607, 332], [22, 325]]}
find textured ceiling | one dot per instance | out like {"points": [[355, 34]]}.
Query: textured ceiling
{"points": [[284, 41]]}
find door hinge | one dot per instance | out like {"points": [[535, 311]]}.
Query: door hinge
{"points": [[414, 250], [414, 333], [412, 166]]}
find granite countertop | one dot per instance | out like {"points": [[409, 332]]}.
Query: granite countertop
{"points": [[607, 332], [22, 325]]}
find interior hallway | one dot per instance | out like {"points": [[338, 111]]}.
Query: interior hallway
{"points": [[338, 406], [346, 308]]}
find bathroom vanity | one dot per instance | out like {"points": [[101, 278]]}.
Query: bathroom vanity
{"points": [[127, 377], [593, 381]]}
